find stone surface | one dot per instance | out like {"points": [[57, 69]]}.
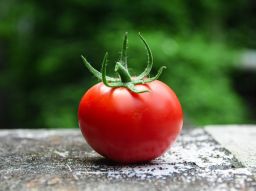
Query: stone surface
{"points": [[238, 139], [61, 160]]}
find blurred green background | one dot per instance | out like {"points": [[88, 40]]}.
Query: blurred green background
{"points": [[42, 77]]}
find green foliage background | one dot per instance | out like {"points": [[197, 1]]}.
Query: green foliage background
{"points": [[42, 78]]}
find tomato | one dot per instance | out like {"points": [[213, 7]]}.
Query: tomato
{"points": [[130, 119], [129, 127]]}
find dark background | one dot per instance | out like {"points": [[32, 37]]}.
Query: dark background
{"points": [[202, 42]]}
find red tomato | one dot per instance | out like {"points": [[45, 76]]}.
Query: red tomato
{"points": [[128, 127]]}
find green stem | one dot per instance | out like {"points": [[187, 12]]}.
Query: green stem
{"points": [[150, 60], [143, 81], [123, 58], [104, 71], [159, 72], [131, 87], [125, 79], [95, 72], [123, 73]]}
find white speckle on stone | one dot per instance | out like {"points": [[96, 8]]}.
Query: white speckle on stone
{"points": [[62, 154]]}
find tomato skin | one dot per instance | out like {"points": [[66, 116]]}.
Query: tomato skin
{"points": [[128, 127]]}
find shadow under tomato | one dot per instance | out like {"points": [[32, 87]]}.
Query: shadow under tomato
{"points": [[107, 162]]}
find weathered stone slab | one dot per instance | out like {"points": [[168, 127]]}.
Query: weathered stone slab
{"points": [[240, 140], [61, 160]]}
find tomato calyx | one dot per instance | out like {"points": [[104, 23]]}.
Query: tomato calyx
{"points": [[125, 79]]}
